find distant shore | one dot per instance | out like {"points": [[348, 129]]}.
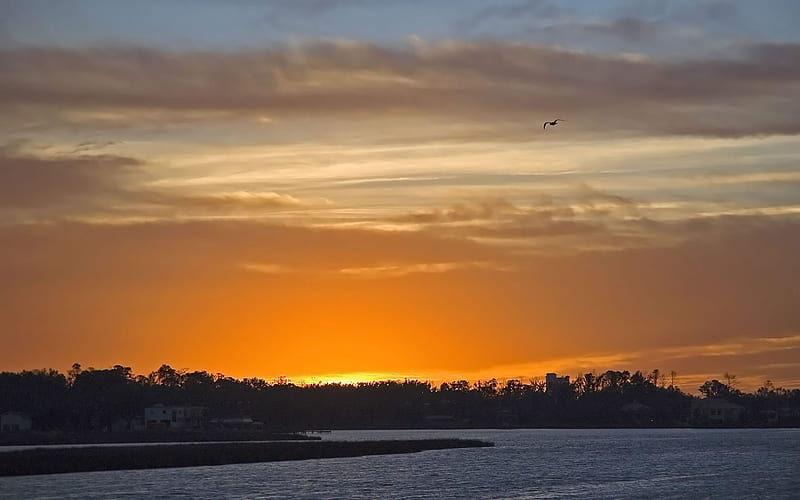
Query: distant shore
{"points": [[150, 436], [42, 438], [100, 458]]}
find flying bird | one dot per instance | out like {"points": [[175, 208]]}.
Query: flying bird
{"points": [[552, 123]]}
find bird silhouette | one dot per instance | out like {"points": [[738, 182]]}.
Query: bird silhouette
{"points": [[552, 123]]}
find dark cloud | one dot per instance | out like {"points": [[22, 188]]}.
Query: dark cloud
{"points": [[90, 146], [757, 92], [309, 7], [536, 9], [627, 28], [691, 11], [37, 181]]}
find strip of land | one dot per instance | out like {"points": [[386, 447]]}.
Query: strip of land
{"points": [[61, 460], [150, 436]]}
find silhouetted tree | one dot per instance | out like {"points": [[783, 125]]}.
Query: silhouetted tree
{"points": [[92, 399], [714, 389], [730, 381]]}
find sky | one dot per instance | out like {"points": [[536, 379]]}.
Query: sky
{"points": [[346, 190]]}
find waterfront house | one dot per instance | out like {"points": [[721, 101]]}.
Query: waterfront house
{"points": [[13, 421], [716, 411], [175, 417]]}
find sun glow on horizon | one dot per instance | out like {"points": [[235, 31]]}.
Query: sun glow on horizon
{"points": [[387, 204], [354, 378]]}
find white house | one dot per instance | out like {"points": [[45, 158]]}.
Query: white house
{"points": [[174, 417], [13, 421]]}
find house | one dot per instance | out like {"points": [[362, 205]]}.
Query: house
{"points": [[127, 424], [556, 383], [174, 417], [783, 416], [716, 411], [13, 421]]}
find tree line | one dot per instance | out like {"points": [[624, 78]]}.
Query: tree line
{"points": [[99, 399]]}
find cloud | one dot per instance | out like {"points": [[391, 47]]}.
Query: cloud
{"points": [[267, 268], [463, 212], [751, 92], [39, 184], [243, 200], [591, 195], [375, 271], [89, 146], [585, 212], [694, 364], [738, 347], [394, 270], [33, 181], [538, 9], [627, 28]]}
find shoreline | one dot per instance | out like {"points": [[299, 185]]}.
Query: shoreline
{"points": [[33, 438], [104, 458], [48, 438]]}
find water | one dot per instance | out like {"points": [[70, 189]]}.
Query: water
{"points": [[524, 464]]}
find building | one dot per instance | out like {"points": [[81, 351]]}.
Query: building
{"points": [[556, 383], [716, 411], [13, 421], [175, 417], [780, 417]]}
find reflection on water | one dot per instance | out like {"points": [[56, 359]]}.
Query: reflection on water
{"points": [[524, 464]]}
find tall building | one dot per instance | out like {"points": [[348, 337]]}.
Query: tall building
{"points": [[554, 382]]}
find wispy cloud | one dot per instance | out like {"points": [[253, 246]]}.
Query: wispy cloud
{"points": [[392, 270], [378, 271], [267, 268], [583, 211], [753, 93], [229, 200], [739, 347]]}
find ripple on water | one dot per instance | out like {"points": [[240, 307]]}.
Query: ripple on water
{"points": [[524, 464]]}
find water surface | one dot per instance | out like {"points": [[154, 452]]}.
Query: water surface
{"points": [[524, 464]]}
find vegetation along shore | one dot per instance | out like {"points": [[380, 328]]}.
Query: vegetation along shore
{"points": [[97, 458]]}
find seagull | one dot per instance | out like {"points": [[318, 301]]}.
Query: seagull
{"points": [[552, 123]]}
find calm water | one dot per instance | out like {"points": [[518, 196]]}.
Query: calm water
{"points": [[675, 463]]}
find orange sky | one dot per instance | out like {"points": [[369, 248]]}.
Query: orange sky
{"points": [[362, 205], [191, 295]]}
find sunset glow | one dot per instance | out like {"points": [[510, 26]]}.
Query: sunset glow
{"points": [[305, 195]]}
